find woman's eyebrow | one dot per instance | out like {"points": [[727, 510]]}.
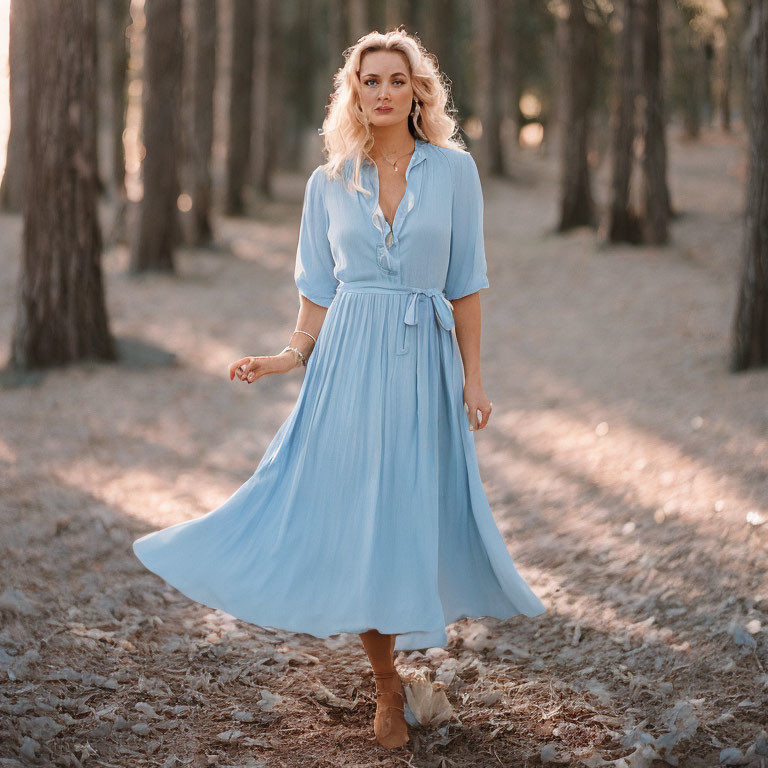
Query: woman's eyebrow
{"points": [[373, 74]]}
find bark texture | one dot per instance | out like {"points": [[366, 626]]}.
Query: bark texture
{"points": [[158, 229], [750, 343], [577, 205], [61, 314], [203, 67], [240, 105]]}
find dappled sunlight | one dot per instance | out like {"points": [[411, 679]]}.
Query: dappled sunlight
{"points": [[617, 456], [7, 453], [267, 243], [203, 351], [153, 498]]}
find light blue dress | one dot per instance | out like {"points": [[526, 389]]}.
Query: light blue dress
{"points": [[367, 509]]}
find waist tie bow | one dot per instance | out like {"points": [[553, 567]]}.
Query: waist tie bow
{"points": [[440, 304], [427, 377]]}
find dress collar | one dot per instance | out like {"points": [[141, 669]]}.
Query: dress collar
{"points": [[409, 196], [367, 166], [419, 153]]}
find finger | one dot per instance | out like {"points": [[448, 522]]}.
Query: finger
{"points": [[254, 370], [484, 414], [471, 416], [249, 368], [234, 369]]}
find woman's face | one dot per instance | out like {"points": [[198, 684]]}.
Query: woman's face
{"points": [[385, 82]]}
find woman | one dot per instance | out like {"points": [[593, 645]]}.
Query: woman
{"points": [[366, 513]]}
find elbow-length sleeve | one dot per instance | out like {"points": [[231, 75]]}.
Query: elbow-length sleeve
{"points": [[467, 269], [314, 270]]}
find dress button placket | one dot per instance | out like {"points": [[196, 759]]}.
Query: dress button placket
{"points": [[388, 260]]}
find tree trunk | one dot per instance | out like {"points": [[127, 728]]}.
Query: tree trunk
{"points": [[337, 41], [375, 13], [436, 22], [577, 205], [61, 314], [114, 19], [120, 18], [240, 105], [734, 78], [400, 12], [357, 15], [750, 333], [656, 204], [485, 54], [12, 187], [692, 65], [203, 66], [304, 70], [623, 223], [555, 133], [262, 92], [275, 135], [440, 24], [738, 77], [509, 86], [158, 227], [721, 78]]}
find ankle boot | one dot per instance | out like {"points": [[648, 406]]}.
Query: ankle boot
{"points": [[389, 725]]}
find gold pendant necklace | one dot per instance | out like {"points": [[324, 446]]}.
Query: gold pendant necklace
{"points": [[394, 165]]}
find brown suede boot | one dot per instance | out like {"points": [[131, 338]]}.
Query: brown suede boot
{"points": [[389, 725]]}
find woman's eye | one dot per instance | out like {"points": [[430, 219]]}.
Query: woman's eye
{"points": [[370, 80]]}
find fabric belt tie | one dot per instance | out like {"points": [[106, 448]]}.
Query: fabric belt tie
{"points": [[426, 378], [442, 308], [440, 305]]}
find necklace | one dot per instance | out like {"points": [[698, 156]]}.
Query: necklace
{"points": [[394, 165]]}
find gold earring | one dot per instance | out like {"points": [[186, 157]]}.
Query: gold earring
{"points": [[415, 114]]}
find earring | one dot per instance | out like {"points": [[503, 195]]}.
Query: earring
{"points": [[415, 112]]}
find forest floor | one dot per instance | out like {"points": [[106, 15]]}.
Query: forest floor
{"points": [[626, 467]]}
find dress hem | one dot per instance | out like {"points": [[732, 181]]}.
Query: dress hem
{"points": [[396, 629]]}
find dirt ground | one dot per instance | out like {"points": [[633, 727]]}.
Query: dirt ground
{"points": [[627, 470]]}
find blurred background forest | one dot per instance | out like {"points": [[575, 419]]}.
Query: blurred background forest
{"points": [[154, 154], [177, 110]]}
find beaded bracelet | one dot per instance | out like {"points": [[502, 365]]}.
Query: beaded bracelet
{"points": [[301, 357], [298, 352]]}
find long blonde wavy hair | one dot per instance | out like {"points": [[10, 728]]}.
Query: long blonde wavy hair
{"points": [[346, 132]]}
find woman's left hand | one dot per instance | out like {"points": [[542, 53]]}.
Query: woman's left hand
{"points": [[477, 406]]}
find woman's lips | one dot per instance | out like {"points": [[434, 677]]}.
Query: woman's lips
{"points": [[383, 109]]}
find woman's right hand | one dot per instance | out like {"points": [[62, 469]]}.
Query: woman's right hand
{"points": [[249, 369]]}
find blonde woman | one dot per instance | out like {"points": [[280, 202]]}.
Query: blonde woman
{"points": [[367, 513]]}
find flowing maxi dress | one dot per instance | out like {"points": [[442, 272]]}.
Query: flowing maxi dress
{"points": [[367, 509]]}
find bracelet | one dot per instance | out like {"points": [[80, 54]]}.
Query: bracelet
{"points": [[298, 352], [308, 334]]}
